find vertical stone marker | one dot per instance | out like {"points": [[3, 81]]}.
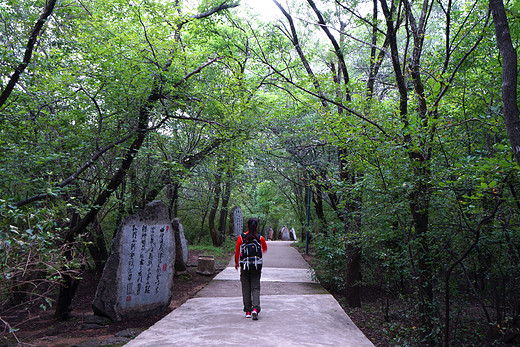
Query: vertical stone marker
{"points": [[270, 233], [293, 234], [138, 277], [181, 247], [284, 234], [237, 221]]}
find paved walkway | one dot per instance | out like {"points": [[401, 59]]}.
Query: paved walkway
{"points": [[295, 311]]}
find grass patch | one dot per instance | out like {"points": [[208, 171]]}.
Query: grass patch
{"points": [[227, 247]]}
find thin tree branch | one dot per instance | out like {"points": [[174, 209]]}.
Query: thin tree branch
{"points": [[28, 51], [337, 48], [221, 7], [78, 172]]}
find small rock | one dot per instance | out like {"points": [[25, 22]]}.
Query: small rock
{"points": [[129, 333], [94, 319]]}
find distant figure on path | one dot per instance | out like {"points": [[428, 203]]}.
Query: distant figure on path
{"points": [[248, 254]]}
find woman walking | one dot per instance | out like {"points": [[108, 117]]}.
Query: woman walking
{"points": [[248, 255]]}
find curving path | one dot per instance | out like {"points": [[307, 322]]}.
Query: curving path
{"points": [[296, 311]]}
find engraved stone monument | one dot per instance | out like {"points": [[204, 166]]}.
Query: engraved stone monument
{"points": [[138, 277], [237, 221], [284, 234], [181, 247]]}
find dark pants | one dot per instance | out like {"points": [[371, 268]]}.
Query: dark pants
{"points": [[250, 289]]}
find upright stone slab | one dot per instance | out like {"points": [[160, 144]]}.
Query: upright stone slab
{"points": [[284, 234], [270, 233], [181, 247], [138, 277], [237, 221], [293, 234]]}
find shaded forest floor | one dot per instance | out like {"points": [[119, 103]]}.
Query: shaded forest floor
{"points": [[389, 320], [385, 321], [36, 327]]}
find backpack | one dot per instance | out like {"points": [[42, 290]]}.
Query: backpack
{"points": [[250, 254]]}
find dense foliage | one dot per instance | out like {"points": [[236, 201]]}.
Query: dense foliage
{"points": [[387, 116]]}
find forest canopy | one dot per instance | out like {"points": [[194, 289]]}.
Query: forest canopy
{"points": [[386, 129]]}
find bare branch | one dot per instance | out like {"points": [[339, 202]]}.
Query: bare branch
{"points": [[294, 39], [196, 71], [11, 330], [221, 7], [333, 102], [216, 9], [28, 51], [337, 48]]}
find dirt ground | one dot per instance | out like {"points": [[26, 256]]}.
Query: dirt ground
{"points": [[37, 327]]}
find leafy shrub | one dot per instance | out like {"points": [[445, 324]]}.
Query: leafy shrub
{"points": [[31, 261], [330, 260]]}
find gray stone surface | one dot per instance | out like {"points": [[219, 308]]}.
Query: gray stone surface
{"points": [[294, 313], [284, 234], [138, 276], [293, 234], [129, 333], [181, 246], [206, 265], [236, 221], [269, 234]]}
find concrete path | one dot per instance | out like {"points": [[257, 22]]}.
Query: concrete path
{"points": [[296, 311]]}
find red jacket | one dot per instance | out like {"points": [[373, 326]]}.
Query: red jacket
{"points": [[239, 243]]}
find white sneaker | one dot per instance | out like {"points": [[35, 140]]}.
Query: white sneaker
{"points": [[248, 314], [255, 314]]}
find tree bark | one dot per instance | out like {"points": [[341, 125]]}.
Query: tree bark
{"points": [[509, 75], [174, 199], [353, 276], [69, 284], [224, 208], [419, 156], [318, 206], [97, 246], [213, 210]]}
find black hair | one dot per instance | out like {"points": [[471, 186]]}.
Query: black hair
{"points": [[252, 226]]}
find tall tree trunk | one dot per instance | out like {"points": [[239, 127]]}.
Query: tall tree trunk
{"points": [[69, 284], [420, 197], [419, 206], [224, 207], [353, 276], [203, 220], [174, 199], [213, 210], [509, 75], [318, 202], [352, 223], [419, 155], [97, 246]]}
